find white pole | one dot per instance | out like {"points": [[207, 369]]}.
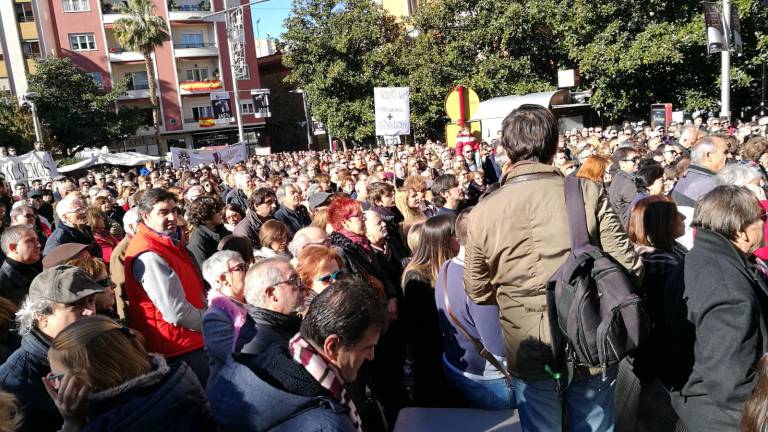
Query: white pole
{"points": [[36, 122], [725, 80], [235, 92]]}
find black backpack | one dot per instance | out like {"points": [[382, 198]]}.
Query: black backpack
{"points": [[600, 319]]}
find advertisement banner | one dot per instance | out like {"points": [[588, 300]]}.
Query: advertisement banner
{"points": [[229, 155], [391, 106], [222, 109], [261, 103], [27, 167]]}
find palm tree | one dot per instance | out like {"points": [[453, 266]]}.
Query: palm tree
{"points": [[142, 31]]}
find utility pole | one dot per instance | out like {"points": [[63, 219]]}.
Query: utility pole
{"points": [[725, 79]]}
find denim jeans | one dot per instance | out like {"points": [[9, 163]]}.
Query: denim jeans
{"points": [[492, 394], [588, 403]]}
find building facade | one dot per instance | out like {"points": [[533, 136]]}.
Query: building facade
{"points": [[188, 67], [19, 44]]}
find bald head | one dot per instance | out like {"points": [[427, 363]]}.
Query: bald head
{"points": [[305, 237]]}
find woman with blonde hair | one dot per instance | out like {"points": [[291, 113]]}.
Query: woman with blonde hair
{"points": [[102, 379], [410, 200]]}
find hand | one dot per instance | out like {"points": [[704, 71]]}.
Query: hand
{"points": [[71, 399], [392, 308]]}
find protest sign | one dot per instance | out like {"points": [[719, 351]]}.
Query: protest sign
{"points": [[393, 115], [261, 103], [27, 167], [229, 155], [222, 109]]}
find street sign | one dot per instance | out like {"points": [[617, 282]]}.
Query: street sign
{"points": [[392, 111]]}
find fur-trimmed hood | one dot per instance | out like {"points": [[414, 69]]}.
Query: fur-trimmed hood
{"points": [[159, 370]]}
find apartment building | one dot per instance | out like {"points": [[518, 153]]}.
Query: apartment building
{"points": [[19, 44], [190, 66]]}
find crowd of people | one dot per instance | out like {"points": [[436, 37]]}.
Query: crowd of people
{"points": [[329, 290]]}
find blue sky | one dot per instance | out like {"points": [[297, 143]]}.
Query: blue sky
{"points": [[270, 15]]}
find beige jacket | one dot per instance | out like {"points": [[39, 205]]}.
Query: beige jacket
{"points": [[518, 237]]}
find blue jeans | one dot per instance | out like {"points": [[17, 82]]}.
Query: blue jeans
{"points": [[588, 404], [492, 394]]}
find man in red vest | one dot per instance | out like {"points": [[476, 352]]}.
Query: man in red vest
{"points": [[163, 287]]}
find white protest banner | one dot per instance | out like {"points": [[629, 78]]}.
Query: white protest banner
{"points": [[393, 115], [27, 167], [229, 155], [222, 110]]}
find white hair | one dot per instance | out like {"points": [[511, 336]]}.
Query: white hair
{"points": [[282, 191], [217, 265], [29, 313], [67, 204], [131, 221], [264, 274], [701, 149], [738, 175], [303, 238]]}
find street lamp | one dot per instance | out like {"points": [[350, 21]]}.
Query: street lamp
{"points": [[28, 99], [307, 116]]}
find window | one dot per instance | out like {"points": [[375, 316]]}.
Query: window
{"points": [[204, 111], [191, 40], [82, 42], [137, 80], [246, 107], [76, 5], [197, 74], [30, 48], [246, 73], [24, 12], [97, 78]]}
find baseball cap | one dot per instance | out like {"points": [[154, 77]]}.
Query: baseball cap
{"points": [[63, 284], [63, 253], [318, 199]]}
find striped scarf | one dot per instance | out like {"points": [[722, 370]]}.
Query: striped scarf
{"points": [[325, 373]]}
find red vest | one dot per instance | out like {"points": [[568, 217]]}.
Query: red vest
{"points": [[161, 336]]}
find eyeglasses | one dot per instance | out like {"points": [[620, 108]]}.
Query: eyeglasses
{"points": [[331, 277], [106, 282], [239, 268], [674, 152], [29, 215], [54, 379], [294, 280], [633, 160]]}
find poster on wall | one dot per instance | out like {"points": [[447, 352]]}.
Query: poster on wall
{"points": [[261, 103], [230, 155], [222, 108], [27, 167]]}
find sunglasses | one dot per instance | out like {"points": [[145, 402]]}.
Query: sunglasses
{"points": [[106, 282], [634, 159], [331, 277]]}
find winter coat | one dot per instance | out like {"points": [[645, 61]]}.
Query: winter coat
{"points": [[221, 328], [236, 196], [725, 305], [21, 375], [365, 263], [15, 279], [517, 239], [249, 227], [263, 328], [204, 242], [167, 399], [271, 392], [696, 183], [67, 234], [295, 219], [621, 192]]}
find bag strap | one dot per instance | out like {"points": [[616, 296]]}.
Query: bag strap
{"points": [[484, 353], [577, 217]]}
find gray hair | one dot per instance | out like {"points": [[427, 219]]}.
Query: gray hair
{"points": [[737, 174], [282, 191], [688, 132], [13, 234], [131, 221], [29, 313], [262, 275], [702, 148], [217, 265], [18, 210], [302, 238], [65, 205], [726, 210]]}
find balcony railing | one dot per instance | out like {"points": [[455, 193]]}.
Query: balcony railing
{"points": [[194, 45], [189, 7], [111, 7]]}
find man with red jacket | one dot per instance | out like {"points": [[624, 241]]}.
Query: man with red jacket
{"points": [[163, 287]]}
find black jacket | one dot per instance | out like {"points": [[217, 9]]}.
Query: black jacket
{"points": [[724, 304], [264, 328], [66, 234], [364, 263], [237, 196], [295, 220], [622, 191], [15, 279], [249, 227], [204, 242]]}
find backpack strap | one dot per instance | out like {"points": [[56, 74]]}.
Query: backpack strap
{"points": [[487, 355], [577, 217]]}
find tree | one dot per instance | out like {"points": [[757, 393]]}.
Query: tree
{"points": [[337, 52], [16, 127], [72, 108], [142, 31]]}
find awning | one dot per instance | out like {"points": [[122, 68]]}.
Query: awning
{"points": [[124, 159], [500, 107]]}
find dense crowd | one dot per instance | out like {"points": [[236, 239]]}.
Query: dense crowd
{"points": [[329, 290]]}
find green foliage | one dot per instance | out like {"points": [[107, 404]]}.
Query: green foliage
{"points": [[73, 109], [337, 52], [630, 54], [16, 127]]}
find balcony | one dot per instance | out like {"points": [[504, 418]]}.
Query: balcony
{"points": [[118, 55], [188, 10], [195, 50], [199, 87], [109, 11], [135, 94]]}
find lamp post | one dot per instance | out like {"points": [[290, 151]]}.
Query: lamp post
{"points": [[28, 99], [307, 116], [725, 55]]}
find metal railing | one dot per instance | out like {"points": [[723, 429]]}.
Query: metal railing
{"points": [[194, 45], [202, 6]]}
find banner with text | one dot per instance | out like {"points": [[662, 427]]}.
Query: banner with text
{"points": [[222, 109], [229, 155], [27, 167], [391, 105]]}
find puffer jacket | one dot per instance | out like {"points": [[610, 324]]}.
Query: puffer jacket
{"points": [[518, 237]]}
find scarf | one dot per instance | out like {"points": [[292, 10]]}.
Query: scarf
{"points": [[357, 239], [325, 374], [234, 309]]}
